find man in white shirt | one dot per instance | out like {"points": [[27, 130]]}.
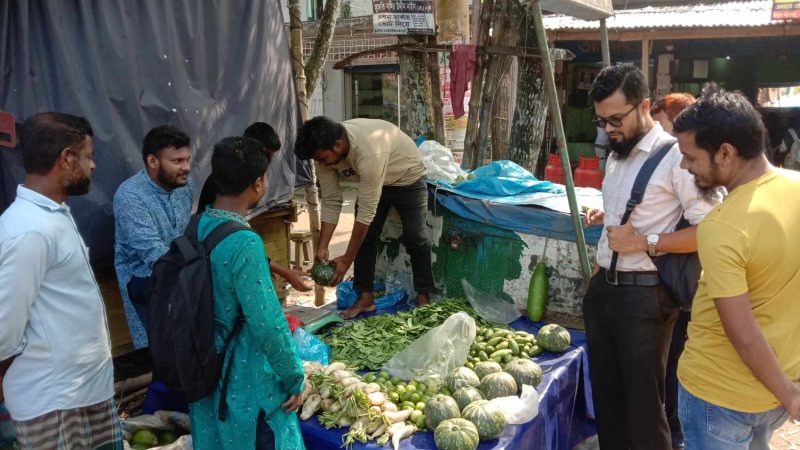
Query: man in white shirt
{"points": [[54, 340], [627, 312]]}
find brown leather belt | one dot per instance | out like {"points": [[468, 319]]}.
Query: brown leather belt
{"points": [[630, 278]]}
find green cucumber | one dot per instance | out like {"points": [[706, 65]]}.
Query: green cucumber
{"points": [[503, 352]]}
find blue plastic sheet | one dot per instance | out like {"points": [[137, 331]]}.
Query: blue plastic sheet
{"points": [[310, 347], [346, 295], [500, 180], [520, 218], [564, 418]]}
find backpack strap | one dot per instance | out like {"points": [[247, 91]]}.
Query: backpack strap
{"points": [[637, 195], [216, 236]]}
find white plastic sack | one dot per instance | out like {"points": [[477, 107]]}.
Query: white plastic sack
{"points": [[519, 410], [183, 443], [490, 307], [160, 421], [436, 353], [439, 162]]}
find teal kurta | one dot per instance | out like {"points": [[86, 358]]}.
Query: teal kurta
{"points": [[266, 368]]}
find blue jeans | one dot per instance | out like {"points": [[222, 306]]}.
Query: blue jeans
{"points": [[710, 427]]}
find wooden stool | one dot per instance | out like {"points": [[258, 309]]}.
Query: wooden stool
{"points": [[302, 243]]}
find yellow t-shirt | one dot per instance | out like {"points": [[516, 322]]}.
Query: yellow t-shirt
{"points": [[749, 243]]}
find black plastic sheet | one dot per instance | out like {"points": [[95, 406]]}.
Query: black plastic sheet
{"points": [[208, 67]]}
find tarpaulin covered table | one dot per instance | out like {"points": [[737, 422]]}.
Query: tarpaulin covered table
{"points": [[565, 408]]}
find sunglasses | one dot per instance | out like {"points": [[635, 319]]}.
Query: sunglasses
{"points": [[615, 122]]}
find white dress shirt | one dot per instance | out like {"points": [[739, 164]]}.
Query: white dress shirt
{"points": [[670, 193], [52, 316]]}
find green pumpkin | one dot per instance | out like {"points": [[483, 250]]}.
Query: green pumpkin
{"points": [[487, 418], [485, 368], [440, 408], [322, 273], [466, 395], [456, 434], [461, 377], [498, 384], [524, 371], [553, 338]]}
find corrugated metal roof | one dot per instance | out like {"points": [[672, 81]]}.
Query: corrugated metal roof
{"points": [[723, 14]]}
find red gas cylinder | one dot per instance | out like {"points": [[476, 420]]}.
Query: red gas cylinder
{"points": [[553, 171], [588, 173]]}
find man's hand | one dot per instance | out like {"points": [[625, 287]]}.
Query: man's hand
{"points": [[793, 407], [623, 239], [343, 264], [322, 254], [293, 404], [593, 217], [295, 278]]}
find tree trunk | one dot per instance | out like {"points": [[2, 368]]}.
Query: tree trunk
{"points": [[501, 111], [312, 194], [476, 89], [530, 110], [319, 53], [436, 94], [415, 91]]}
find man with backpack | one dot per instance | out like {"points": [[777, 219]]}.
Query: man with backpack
{"points": [[256, 375], [54, 341], [628, 312]]}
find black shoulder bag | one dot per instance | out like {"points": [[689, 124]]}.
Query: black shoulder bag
{"points": [[678, 272]]}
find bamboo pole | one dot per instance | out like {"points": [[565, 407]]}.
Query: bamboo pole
{"points": [[476, 89], [561, 141], [436, 94], [312, 195]]}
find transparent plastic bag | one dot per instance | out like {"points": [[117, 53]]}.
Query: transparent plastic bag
{"points": [[522, 409], [183, 443], [490, 307], [439, 162], [310, 347], [434, 354]]}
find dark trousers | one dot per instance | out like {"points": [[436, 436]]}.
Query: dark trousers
{"points": [[676, 346], [265, 438], [411, 203], [628, 329]]}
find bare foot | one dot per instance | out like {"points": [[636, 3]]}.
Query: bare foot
{"points": [[356, 310], [423, 298], [364, 304]]}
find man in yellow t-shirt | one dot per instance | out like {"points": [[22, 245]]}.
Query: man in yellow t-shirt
{"points": [[743, 351], [390, 173]]}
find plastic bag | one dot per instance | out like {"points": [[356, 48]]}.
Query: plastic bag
{"points": [[522, 409], [346, 294], [310, 347], [490, 307], [160, 421], [183, 443], [434, 354], [439, 162]]}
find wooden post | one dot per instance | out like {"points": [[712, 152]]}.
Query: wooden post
{"points": [[436, 94], [646, 61], [561, 140], [604, 43]]}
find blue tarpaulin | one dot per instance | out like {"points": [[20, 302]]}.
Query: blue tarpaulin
{"points": [[565, 408]]}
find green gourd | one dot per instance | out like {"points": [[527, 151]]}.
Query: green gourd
{"points": [[537, 292]]}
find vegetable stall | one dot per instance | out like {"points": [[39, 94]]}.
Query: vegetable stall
{"points": [[482, 389]]}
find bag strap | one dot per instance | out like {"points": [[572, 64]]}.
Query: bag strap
{"points": [[637, 192]]}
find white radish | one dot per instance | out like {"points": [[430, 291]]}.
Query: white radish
{"points": [[402, 433], [340, 375], [389, 406], [381, 429], [348, 391], [344, 422], [372, 387], [348, 381], [310, 406], [394, 417], [335, 407], [375, 409], [333, 367], [377, 398], [326, 404]]}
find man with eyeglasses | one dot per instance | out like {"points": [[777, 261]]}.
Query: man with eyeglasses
{"points": [[627, 312]]}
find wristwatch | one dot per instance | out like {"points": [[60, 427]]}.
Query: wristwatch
{"points": [[652, 241]]}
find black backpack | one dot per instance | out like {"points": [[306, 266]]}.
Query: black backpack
{"points": [[181, 316]]}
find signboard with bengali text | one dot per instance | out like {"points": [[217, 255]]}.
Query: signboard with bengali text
{"points": [[403, 17], [785, 10]]}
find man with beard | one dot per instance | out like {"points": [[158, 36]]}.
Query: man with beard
{"points": [[54, 341], [627, 312], [151, 208], [742, 354]]}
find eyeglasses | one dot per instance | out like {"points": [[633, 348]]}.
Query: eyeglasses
{"points": [[615, 122]]}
